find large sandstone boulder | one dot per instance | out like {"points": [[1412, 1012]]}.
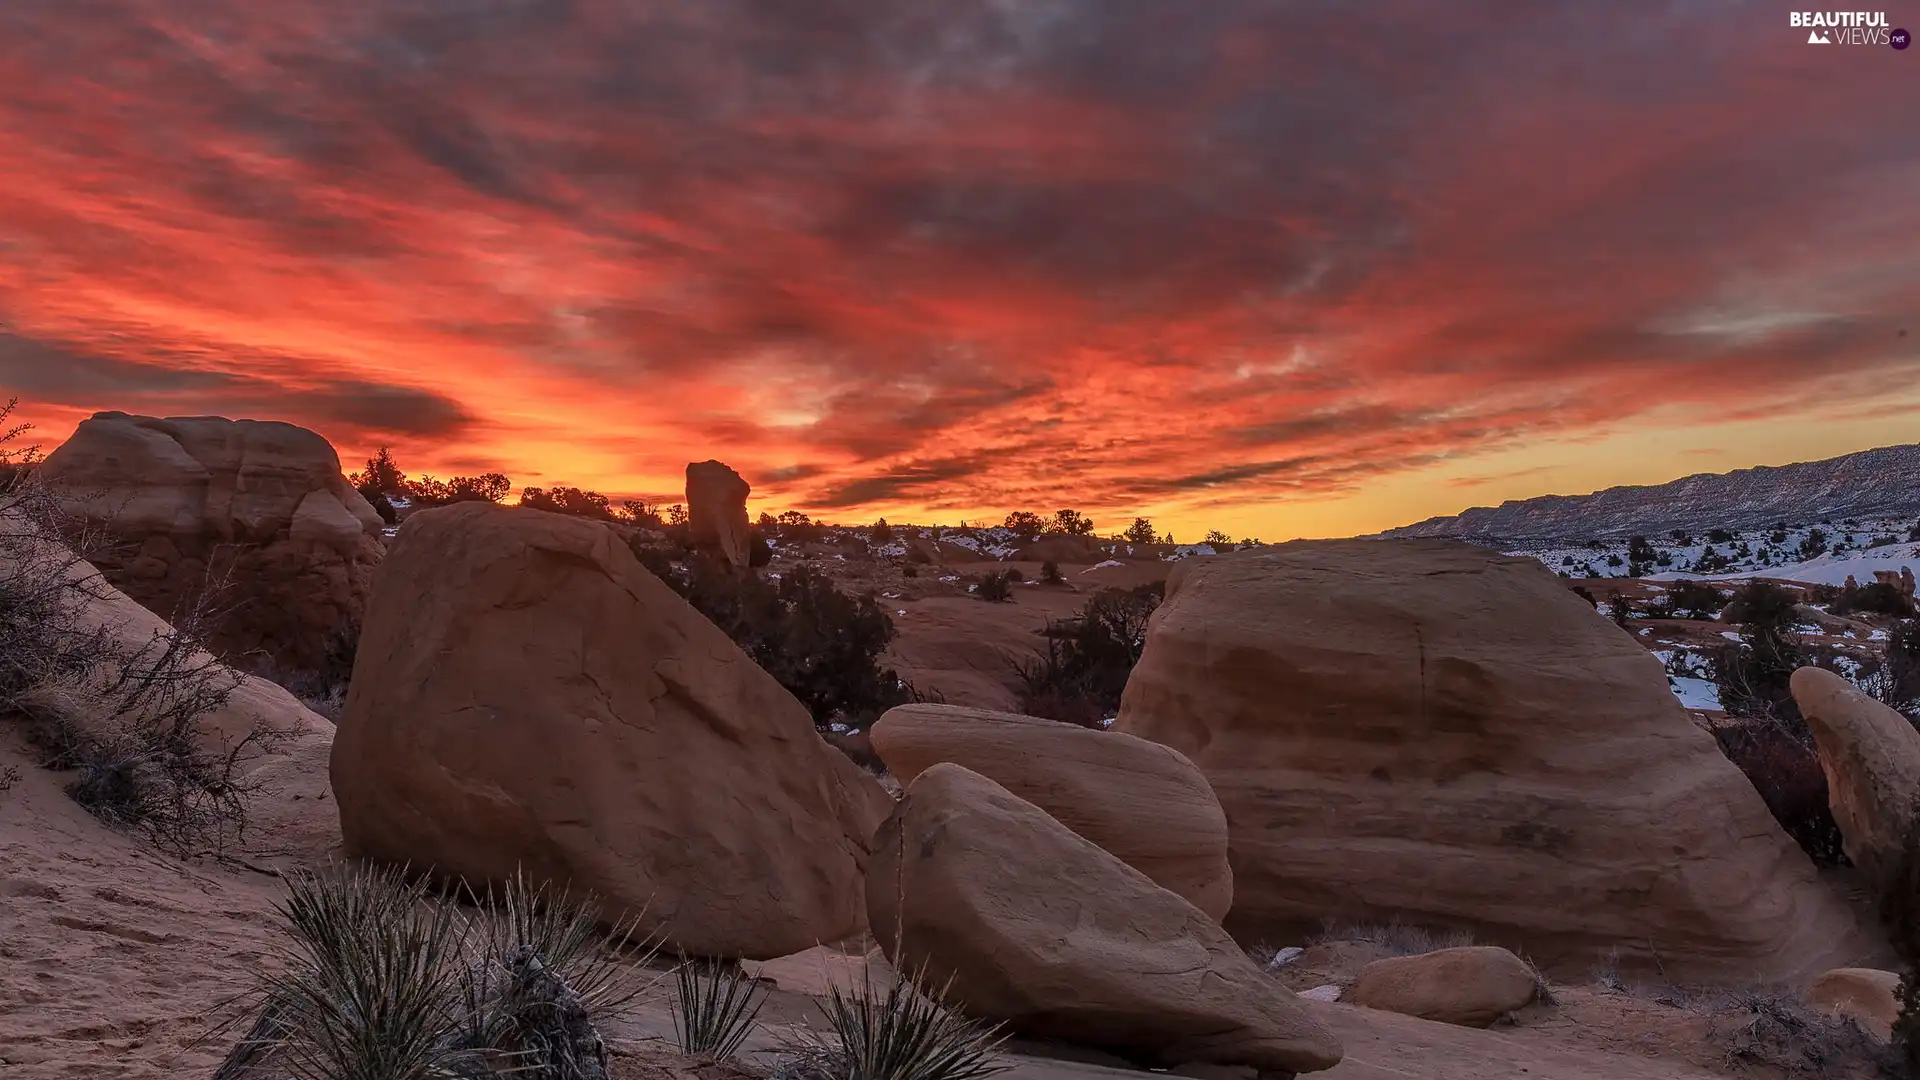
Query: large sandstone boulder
{"points": [[1871, 756], [527, 695], [717, 511], [1471, 986], [1142, 802], [1434, 732], [1037, 927], [261, 504]]}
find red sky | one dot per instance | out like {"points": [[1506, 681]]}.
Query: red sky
{"points": [[1298, 268]]}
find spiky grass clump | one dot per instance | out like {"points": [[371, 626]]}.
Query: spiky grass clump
{"points": [[371, 984], [545, 978], [380, 980], [714, 1008], [901, 1032]]}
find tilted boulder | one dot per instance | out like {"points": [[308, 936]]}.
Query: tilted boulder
{"points": [[1141, 802], [1471, 986], [717, 511], [260, 504], [1430, 731], [1871, 757], [1026, 922], [528, 696]]}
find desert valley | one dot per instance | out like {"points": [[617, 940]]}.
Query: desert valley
{"points": [[301, 769]]}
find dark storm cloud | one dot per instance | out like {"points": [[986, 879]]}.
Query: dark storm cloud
{"points": [[51, 373]]}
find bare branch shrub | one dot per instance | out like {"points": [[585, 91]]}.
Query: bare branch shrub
{"points": [[120, 712], [1762, 1028]]}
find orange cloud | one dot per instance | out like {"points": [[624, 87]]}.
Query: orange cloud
{"points": [[955, 260]]}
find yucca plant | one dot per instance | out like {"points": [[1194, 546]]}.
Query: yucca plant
{"points": [[545, 978], [900, 1032], [382, 981], [714, 1008], [370, 981]]}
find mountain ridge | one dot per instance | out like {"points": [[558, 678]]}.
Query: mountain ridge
{"points": [[1881, 482]]}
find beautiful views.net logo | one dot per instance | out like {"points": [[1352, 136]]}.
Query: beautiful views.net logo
{"points": [[1849, 28]]}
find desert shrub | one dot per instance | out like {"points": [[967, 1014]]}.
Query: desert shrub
{"points": [[487, 487], [1025, 524], [381, 477], [1081, 674], [1774, 1030], [823, 645], [1813, 545], [377, 980], [901, 1031], [1784, 768], [1878, 598], [569, 500], [1772, 744], [909, 570], [1899, 909], [1070, 523], [1619, 609], [118, 711], [1753, 674], [1050, 574], [715, 1003], [881, 533], [382, 506], [1691, 600], [996, 587], [1719, 536], [1914, 533], [797, 528], [1898, 672], [1586, 594], [541, 979]]}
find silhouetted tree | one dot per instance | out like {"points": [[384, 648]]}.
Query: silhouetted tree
{"points": [[881, 532], [643, 513], [1025, 523], [382, 475], [487, 487], [676, 514], [1070, 523], [568, 500], [1080, 677], [1140, 532]]}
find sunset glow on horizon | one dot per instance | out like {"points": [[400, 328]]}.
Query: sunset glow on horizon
{"points": [[1283, 270]]}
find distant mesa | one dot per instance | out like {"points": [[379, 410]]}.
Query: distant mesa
{"points": [[1871, 483]]}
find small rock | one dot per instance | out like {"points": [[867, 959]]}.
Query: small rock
{"points": [[1285, 956], [1868, 997]]}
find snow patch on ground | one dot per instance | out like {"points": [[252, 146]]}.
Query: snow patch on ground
{"points": [[1695, 693]]}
